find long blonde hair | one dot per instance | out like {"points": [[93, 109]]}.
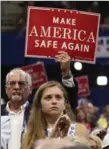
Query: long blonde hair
{"points": [[36, 127]]}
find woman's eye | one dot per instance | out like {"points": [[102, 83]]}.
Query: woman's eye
{"points": [[58, 97], [48, 98]]}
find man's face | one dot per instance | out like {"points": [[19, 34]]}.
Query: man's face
{"points": [[53, 101], [17, 89], [81, 115]]}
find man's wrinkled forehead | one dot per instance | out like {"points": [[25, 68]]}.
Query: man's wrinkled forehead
{"points": [[17, 75]]}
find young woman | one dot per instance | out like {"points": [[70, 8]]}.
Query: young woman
{"points": [[51, 116]]}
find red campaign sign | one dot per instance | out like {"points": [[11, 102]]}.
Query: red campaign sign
{"points": [[83, 86], [37, 71], [50, 30]]}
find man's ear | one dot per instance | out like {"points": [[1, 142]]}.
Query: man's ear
{"points": [[6, 91]]}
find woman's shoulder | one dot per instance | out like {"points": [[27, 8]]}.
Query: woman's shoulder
{"points": [[72, 129]]}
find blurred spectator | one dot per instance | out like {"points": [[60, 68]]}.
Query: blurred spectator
{"points": [[103, 121], [100, 132], [96, 130], [92, 114], [90, 111], [81, 117]]}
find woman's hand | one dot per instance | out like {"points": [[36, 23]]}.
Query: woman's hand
{"points": [[61, 126]]}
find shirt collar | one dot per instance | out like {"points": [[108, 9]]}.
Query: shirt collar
{"points": [[21, 108]]}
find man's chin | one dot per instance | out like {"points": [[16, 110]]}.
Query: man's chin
{"points": [[16, 98]]}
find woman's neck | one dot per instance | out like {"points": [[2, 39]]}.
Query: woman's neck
{"points": [[50, 121]]}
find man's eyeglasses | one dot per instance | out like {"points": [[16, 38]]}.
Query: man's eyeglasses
{"points": [[13, 83]]}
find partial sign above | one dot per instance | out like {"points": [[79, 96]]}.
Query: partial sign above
{"points": [[83, 86], [37, 72], [51, 30]]}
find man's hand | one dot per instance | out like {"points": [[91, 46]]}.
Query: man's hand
{"points": [[64, 60]]}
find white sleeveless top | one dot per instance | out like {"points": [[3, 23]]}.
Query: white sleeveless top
{"points": [[71, 130]]}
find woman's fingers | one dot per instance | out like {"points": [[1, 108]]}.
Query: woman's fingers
{"points": [[64, 122], [61, 125]]}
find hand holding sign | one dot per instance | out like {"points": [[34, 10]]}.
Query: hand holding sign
{"points": [[64, 60]]}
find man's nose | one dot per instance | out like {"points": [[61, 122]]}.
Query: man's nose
{"points": [[17, 85]]}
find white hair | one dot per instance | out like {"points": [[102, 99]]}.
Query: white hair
{"points": [[24, 73]]}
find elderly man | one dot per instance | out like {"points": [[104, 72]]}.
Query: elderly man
{"points": [[15, 113]]}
